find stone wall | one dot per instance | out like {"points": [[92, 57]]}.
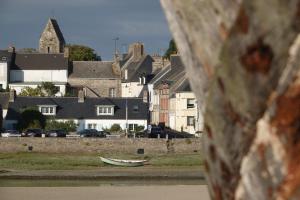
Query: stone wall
{"points": [[100, 145], [100, 87]]}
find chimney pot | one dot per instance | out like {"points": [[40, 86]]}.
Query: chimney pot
{"points": [[80, 96], [12, 95]]}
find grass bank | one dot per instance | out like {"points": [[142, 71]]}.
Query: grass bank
{"points": [[51, 161]]}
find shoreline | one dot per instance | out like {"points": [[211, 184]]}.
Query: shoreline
{"points": [[107, 176]]}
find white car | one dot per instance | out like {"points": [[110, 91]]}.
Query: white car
{"points": [[11, 133]]}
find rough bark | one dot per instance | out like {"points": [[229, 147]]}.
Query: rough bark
{"points": [[242, 60]]}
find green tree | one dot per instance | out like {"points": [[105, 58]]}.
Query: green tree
{"points": [[49, 89], [69, 126], [115, 128], [81, 53], [28, 50], [31, 118], [46, 89], [171, 50], [29, 91]]}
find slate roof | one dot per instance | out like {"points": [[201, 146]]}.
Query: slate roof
{"points": [[92, 70], [184, 86], [69, 108], [139, 68], [5, 56], [160, 74], [39, 61], [176, 72], [57, 30], [4, 98]]}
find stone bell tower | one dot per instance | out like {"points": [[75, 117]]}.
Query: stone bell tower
{"points": [[52, 39]]}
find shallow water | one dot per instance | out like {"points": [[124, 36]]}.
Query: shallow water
{"points": [[83, 183]]}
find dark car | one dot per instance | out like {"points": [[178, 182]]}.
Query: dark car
{"points": [[56, 133], [154, 131], [91, 133], [32, 133]]}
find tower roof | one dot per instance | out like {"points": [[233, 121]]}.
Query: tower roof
{"points": [[52, 22]]}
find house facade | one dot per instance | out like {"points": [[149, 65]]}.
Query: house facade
{"points": [[86, 112], [31, 69], [136, 71], [96, 78]]}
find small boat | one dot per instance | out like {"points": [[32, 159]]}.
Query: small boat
{"points": [[124, 163]]}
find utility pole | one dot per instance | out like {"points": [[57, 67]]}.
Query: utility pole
{"points": [[116, 39]]}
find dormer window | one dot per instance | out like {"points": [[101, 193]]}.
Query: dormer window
{"points": [[135, 108], [105, 110], [48, 110], [4, 59]]}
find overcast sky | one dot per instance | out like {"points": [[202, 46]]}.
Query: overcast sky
{"points": [[88, 22]]}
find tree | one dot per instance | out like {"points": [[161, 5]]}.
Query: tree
{"points": [[81, 53], [171, 50], [245, 66], [28, 50], [49, 89], [31, 118], [29, 91], [115, 128], [69, 126], [45, 89]]}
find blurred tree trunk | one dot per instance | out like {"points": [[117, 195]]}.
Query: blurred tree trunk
{"points": [[242, 59]]}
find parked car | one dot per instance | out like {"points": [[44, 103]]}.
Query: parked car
{"points": [[32, 133], [56, 133], [155, 131], [91, 133], [11, 133]]}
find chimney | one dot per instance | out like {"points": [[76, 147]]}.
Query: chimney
{"points": [[80, 96], [12, 95], [66, 52], [11, 49], [145, 96], [136, 50]]}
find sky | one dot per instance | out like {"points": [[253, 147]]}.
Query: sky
{"points": [[94, 23]]}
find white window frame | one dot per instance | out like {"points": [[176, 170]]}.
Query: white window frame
{"points": [[188, 122], [105, 110], [50, 109], [190, 105], [112, 92], [92, 126]]}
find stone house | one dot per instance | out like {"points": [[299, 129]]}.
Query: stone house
{"points": [[96, 78]]}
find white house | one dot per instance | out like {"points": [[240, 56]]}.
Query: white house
{"points": [[31, 69], [136, 71], [88, 113], [5, 61]]}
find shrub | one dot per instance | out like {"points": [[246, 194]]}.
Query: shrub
{"points": [[69, 126], [115, 128]]}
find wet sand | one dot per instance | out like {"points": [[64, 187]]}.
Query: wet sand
{"points": [[190, 192]]}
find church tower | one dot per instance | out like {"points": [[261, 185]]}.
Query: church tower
{"points": [[52, 39]]}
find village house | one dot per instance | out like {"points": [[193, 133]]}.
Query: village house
{"points": [[171, 100], [96, 78], [86, 112], [136, 71]]}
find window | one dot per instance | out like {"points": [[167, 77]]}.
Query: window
{"points": [[132, 127], [135, 108], [191, 121], [92, 126], [48, 110], [48, 49], [112, 92], [126, 74], [105, 110], [190, 103], [4, 59]]}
